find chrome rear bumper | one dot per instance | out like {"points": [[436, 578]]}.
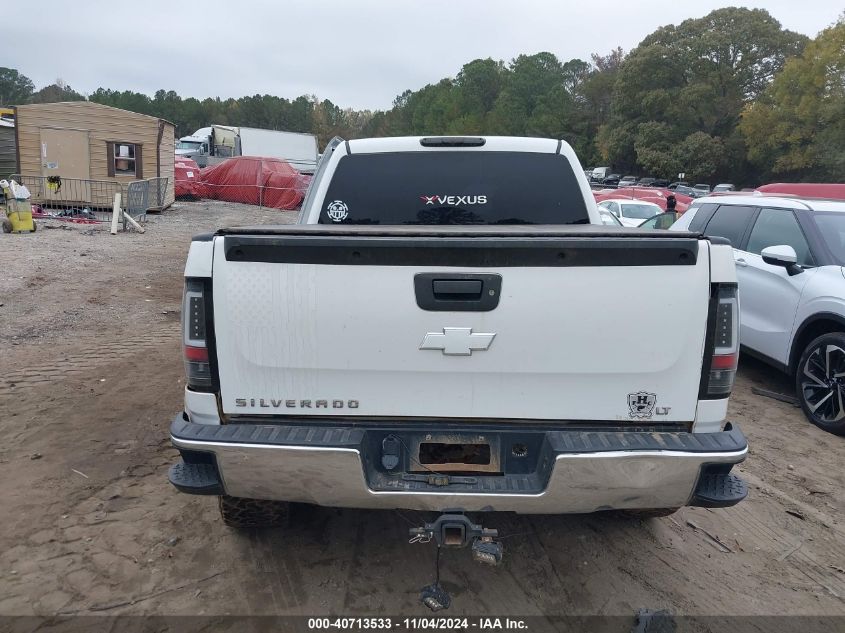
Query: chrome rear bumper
{"points": [[577, 472]]}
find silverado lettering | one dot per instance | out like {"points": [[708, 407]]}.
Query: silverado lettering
{"points": [[292, 404]]}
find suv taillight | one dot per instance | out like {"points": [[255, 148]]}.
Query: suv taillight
{"points": [[195, 336], [723, 343]]}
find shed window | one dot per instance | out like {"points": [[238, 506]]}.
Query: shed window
{"points": [[124, 159]]}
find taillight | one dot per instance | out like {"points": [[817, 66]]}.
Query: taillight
{"points": [[724, 348], [195, 336]]}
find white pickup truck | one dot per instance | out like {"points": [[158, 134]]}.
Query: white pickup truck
{"points": [[440, 332]]}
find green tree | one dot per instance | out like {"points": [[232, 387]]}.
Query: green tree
{"points": [[15, 88], [798, 128], [478, 84], [126, 100], [690, 78], [738, 49], [654, 147], [529, 83], [55, 93], [594, 96], [699, 156]]}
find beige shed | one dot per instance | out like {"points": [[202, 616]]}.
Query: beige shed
{"points": [[84, 152]]}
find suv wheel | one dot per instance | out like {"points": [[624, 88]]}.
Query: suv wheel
{"points": [[820, 382], [238, 512]]}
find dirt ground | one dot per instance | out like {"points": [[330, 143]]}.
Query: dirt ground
{"points": [[91, 375]]}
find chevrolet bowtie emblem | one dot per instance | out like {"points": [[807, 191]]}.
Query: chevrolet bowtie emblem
{"points": [[457, 341]]}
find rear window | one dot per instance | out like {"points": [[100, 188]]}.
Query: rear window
{"points": [[454, 187]]}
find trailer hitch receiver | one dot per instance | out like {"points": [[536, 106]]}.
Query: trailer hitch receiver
{"points": [[454, 529]]}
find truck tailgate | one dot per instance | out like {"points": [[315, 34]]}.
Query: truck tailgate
{"points": [[311, 321]]}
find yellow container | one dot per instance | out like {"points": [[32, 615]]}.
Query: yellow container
{"points": [[18, 216]]}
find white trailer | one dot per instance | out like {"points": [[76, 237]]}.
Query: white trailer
{"points": [[215, 144]]}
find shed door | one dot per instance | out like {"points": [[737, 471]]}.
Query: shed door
{"points": [[64, 153]]}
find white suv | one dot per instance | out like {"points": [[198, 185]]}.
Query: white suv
{"points": [[789, 255]]}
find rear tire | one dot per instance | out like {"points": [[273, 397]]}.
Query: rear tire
{"points": [[820, 382], [7, 225], [238, 512], [652, 513]]}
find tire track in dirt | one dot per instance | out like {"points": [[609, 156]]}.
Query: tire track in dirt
{"points": [[795, 551], [89, 353]]}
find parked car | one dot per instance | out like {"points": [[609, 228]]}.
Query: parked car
{"points": [[688, 191], [371, 357], [654, 195], [631, 212], [627, 181], [646, 182], [789, 255], [599, 174], [660, 182], [608, 218], [678, 183], [612, 179], [702, 187], [725, 186]]}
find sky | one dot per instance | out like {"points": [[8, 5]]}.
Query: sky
{"points": [[357, 53]]}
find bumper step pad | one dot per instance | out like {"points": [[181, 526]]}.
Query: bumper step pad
{"points": [[196, 479], [719, 491]]}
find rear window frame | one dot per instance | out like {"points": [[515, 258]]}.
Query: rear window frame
{"points": [[573, 195]]}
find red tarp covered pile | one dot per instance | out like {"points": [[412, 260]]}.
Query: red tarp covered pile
{"points": [[187, 178], [270, 182]]}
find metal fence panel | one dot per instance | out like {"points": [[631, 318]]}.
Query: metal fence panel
{"points": [[93, 199], [158, 193], [137, 199]]}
